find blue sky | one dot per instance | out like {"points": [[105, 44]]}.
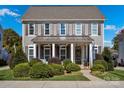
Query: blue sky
{"points": [[10, 17]]}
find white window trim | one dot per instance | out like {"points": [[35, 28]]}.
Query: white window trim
{"points": [[49, 29], [47, 48], [29, 30], [30, 48], [76, 28], [92, 31], [60, 29], [60, 51]]}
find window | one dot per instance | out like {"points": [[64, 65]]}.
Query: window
{"points": [[94, 29], [78, 29], [62, 52], [31, 29], [62, 29], [95, 48], [47, 29], [30, 52], [47, 52]]}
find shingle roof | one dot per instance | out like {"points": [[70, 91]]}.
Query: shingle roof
{"points": [[60, 39], [38, 13]]}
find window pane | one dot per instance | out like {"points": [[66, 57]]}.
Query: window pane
{"points": [[78, 29], [31, 52], [62, 28], [94, 29], [31, 32], [46, 28]]}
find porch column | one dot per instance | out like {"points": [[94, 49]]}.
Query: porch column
{"points": [[38, 51], [90, 55], [53, 50], [34, 50], [82, 54], [72, 52]]}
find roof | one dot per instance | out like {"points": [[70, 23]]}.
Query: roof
{"points": [[37, 13], [61, 39]]}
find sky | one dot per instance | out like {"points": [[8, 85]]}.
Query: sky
{"points": [[10, 17]]}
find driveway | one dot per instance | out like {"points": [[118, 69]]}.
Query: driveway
{"points": [[62, 84], [4, 67]]}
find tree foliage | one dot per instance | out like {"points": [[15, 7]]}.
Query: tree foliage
{"points": [[115, 42], [10, 37]]}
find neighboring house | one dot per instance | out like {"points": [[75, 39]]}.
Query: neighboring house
{"points": [[66, 32], [1, 34], [121, 47]]}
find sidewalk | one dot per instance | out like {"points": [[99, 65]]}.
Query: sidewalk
{"points": [[4, 68], [87, 74]]}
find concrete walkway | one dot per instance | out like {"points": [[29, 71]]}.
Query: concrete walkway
{"points": [[61, 84], [4, 68], [87, 74], [119, 68]]}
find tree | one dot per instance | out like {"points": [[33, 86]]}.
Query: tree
{"points": [[19, 57], [11, 39], [115, 42]]}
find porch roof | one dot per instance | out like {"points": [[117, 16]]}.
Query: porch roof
{"points": [[62, 39]]}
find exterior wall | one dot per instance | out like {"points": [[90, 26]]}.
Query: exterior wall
{"points": [[1, 34], [121, 50], [54, 30]]}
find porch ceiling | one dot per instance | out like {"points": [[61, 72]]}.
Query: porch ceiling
{"points": [[62, 39]]}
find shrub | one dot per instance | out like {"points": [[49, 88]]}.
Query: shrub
{"points": [[72, 67], [34, 61], [98, 67], [40, 70], [66, 62], [99, 57], [2, 62], [57, 69], [107, 55], [21, 70], [102, 62], [110, 66], [54, 61], [19, 57]]}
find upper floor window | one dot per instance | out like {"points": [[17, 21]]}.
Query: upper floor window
{"points": [[94, 29], [78, 29], [62, 29], [47, 30], [31, 29]]}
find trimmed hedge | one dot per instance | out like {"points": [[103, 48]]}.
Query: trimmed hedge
{"points": [[57, 69], [98, 67], [72, 67], [102, 62], [110, 66], [66, 62], [54, 61], [40, 70], [21, 70], [34, 61]]}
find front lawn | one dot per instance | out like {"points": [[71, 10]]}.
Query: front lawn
{"points": [[8, 75], [111, 75]]}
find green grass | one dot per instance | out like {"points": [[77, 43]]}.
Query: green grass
{"points": [[111, 75], [8, 75]]}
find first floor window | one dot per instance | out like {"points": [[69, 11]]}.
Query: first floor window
{"points": [[78, 29], [62, 29], [31, 52], [62, 52], [94, 29], [31, 29], [95, 50]]}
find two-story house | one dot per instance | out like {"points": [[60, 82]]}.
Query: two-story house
{"points": [[66, 32], [1, 34]]}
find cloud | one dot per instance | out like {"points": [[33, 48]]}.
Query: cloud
{"points": [[110, 27], [6, 11], [18, 20]]}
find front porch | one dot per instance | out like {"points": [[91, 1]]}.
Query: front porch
{"points": [[78, 49]]}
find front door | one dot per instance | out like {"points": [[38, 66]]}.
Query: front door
{"points": [[78, 55], [47, 53]]}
